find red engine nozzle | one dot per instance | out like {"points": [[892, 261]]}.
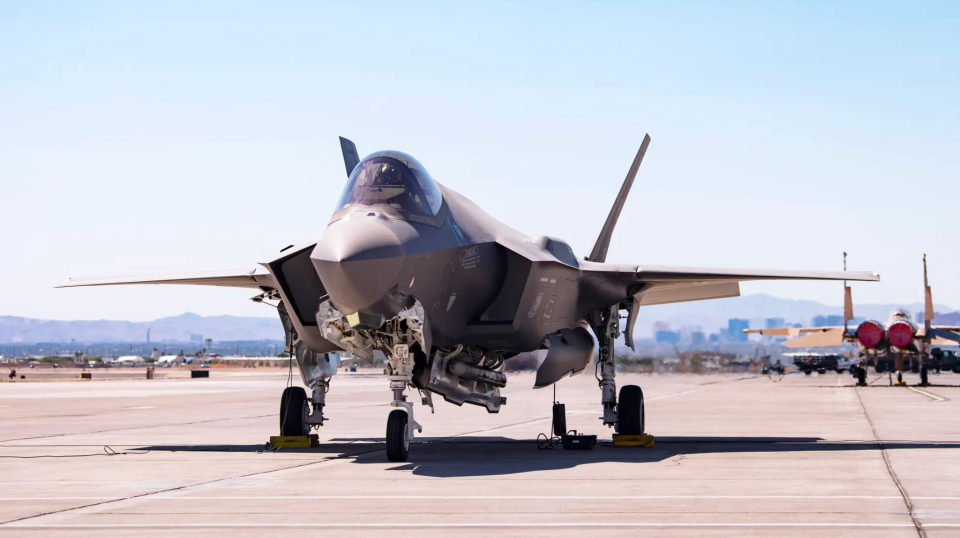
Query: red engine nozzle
{"points": [[900, 334], [870, 334]]}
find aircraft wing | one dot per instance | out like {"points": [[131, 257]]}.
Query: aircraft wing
{"points": [[258, 278], [666, 284], [660, 273]]}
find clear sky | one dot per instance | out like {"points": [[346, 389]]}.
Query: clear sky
{"points": [[153, 137]]}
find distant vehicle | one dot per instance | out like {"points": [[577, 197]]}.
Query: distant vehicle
{"points": [[945, 360], [821, 362]]}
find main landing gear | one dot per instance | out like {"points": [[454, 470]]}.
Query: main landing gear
{"points": [[627, 416], [299, 413]]}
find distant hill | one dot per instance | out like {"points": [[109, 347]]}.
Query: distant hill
{"points": [[177, 328], [709, 315]]}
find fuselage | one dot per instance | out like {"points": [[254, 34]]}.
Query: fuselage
{"points": [[402, 241], [898, 334]]}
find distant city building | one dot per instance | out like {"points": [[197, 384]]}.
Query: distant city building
{"points": [[208, 342], [714, 338], [774, 323], [827, 321], [698, 338], [198, 338], [660, 326], [667, 337], [735, 328]]}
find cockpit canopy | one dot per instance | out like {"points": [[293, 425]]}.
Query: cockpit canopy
{"points": [[395, 179]]}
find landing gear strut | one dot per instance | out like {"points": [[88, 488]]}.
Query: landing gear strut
{"points": [[400, 423], [299, 414], [626, 416], [606, 327]]}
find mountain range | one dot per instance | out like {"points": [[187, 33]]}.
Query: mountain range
{"points": [[709, 316], [172, 329]]}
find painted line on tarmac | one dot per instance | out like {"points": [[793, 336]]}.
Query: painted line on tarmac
{"points": [[160, 497], [930, 395], [462, 525]]}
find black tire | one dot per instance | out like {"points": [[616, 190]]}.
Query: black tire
{"points": [[630, 412], [808, 372], [294, 410], [397, 444]]}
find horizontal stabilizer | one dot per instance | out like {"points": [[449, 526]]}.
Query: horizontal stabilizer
{"points": [[944, 338], [789, 331], [252, 278], [826, 338]]}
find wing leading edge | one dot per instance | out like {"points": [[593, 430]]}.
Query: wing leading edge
{"points": [[664, 284], [660, 273], [258, 278]]}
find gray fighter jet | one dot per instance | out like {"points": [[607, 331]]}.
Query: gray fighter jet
{"points": [[412, 268]]}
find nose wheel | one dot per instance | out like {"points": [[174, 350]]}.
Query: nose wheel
{"points": [[398, 441]]}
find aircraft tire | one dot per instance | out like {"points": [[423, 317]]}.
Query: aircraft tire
{"points": [[397, 444], [630, 412], [293, 412]]}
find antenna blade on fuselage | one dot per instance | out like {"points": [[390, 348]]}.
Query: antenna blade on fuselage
{"points": [[350, 157], [599, 252]]}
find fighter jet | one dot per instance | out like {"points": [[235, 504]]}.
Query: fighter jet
{"points": [[412, 268], [875, 341]]}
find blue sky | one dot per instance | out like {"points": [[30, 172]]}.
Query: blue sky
{"points": [[140, 138]]}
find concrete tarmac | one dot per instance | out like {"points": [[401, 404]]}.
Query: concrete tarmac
{"points": [[735, 455]]}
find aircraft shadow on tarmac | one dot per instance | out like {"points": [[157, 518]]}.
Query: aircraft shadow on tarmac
{"points": [[491, 456]]}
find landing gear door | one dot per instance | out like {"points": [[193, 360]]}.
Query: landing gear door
{"points": [[301, 290]]}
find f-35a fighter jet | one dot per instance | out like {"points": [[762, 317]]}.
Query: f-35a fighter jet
{"points": [[412, 268]]}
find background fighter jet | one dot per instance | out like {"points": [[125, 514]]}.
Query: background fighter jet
{"points": [[898, 336], [413, 269]]}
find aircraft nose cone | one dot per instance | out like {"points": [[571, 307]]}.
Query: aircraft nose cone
{"points": [[358, 260]]}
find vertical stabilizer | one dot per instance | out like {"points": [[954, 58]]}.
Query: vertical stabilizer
{"points": [[847, 297], [350, 157], [928, 313], [599, 252], [847, 305]]}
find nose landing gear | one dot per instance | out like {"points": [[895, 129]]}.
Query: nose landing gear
{"points": [[400, 423]]}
